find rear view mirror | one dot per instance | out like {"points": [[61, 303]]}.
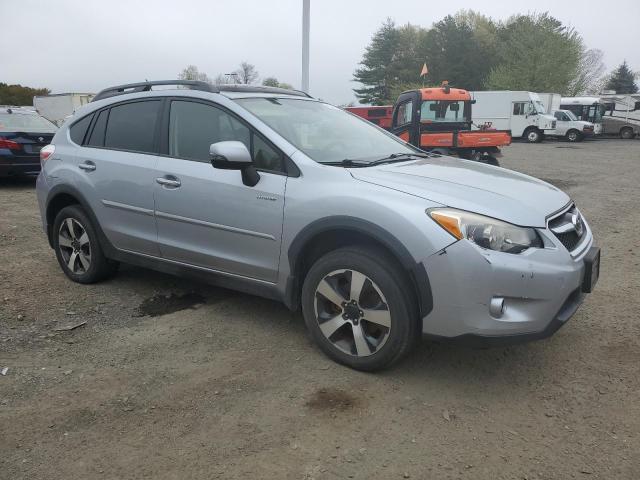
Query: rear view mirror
{"points": [[454, 107], [234, 155], [433, 107]]}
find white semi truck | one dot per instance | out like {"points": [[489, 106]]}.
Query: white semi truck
{"points": [[523, 113], [59, 106]]}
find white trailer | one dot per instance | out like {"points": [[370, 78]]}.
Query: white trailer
{"points": [[523, 113], [613, 115], [57, 107]]}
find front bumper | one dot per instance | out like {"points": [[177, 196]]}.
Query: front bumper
{"points": [[541, 289]]}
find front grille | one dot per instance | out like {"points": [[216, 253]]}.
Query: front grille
{"points": [[570, 240], [569, 228]]}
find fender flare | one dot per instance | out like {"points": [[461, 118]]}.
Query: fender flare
{"points": [[417, 272], [57, 190]]}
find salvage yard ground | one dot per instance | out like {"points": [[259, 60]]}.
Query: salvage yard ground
{"points": [[171, 379]]}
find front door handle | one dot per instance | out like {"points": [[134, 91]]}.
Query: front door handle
{"points": [[87, 166], [168, 182]]}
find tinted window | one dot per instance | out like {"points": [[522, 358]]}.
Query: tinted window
{"points": [[132, 126], [265, 156], [96, 139], [193, 127], [79, 129]]}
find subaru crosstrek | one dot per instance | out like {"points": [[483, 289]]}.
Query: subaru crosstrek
{"points": [[272, 192]]}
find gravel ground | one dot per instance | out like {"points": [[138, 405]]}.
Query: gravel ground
{"points": [[173, 379]]}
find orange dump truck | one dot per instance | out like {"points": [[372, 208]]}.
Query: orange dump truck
{"points": [[439, 119]]}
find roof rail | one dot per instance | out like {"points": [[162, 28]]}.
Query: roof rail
{"points": [[146, 86], [239, 87]]}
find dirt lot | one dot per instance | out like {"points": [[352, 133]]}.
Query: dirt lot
{"points": [[172, 379]]}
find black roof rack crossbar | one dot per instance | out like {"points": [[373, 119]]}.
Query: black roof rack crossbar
{"points": [[146, 86]]}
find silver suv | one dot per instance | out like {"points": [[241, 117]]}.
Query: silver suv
{"points": [[274, 193]]}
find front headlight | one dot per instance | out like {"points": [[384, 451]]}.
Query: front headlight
{"points": [[484, 231]]}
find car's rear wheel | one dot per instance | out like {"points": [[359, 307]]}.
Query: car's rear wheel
{"points": [[77, 247], [357, 306]]}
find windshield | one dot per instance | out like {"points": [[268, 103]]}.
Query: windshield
{"points": [[325, 133], [570, 114], [539, 107], [25, 122], [442, 111]]}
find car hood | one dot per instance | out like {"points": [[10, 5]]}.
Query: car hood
{"points": [[472, 186]]}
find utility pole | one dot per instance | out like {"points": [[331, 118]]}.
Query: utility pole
{"points": [[305, 45]]}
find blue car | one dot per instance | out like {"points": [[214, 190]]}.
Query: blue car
{"points": [[23, 133]]}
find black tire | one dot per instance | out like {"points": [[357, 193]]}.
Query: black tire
{"points": [[626, 133], [574, 136], [99, 267], [401, 307], [532, 135]]}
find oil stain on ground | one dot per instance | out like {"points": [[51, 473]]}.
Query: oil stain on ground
{"points": [[332, 399], [165, 304]]}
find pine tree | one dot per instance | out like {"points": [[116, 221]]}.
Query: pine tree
{"points": [[622, 80]]}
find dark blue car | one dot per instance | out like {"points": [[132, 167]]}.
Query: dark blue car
{"points": [[23, 133]]}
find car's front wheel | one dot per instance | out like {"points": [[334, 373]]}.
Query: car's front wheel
{"points": [[358, 307], [77, 248]]}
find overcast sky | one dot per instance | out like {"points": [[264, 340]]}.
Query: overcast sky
{"points": [[85, 45]]}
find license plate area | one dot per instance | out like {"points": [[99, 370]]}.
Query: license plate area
{"points": [[591, 269]]}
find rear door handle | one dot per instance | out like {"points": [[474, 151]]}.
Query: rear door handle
{"points": [[87, 166], [168, 182]]}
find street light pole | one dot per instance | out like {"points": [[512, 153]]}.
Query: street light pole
{"points": [[305, 45]]}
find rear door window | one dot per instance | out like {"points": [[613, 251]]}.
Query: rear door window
{"points": [[96, 138], [132, 126]]}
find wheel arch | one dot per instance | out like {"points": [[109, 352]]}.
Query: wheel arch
{"points": [[327, 234], [62, 196]]}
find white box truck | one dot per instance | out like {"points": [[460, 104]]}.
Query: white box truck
{"points": [[57, 107], [521, 112]]}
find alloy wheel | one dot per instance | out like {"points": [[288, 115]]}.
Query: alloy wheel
{"points": [[74, 245], [352, 312]]}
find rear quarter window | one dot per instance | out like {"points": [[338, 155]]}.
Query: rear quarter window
{"points": [[78, 130]]}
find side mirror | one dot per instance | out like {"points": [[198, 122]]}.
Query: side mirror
{"points": [[234, 155]]}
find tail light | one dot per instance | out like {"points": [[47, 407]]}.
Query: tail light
{"points": [[10, 144], [46, 153]]}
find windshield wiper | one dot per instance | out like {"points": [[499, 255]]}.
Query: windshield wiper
{"points": [[399, 157], [348, 162]]}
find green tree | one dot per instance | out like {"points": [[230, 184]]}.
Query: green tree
{"points": [[376, 72], [273, 82], [460, 49], [536, 53], [18, 95], [622, 80]]}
